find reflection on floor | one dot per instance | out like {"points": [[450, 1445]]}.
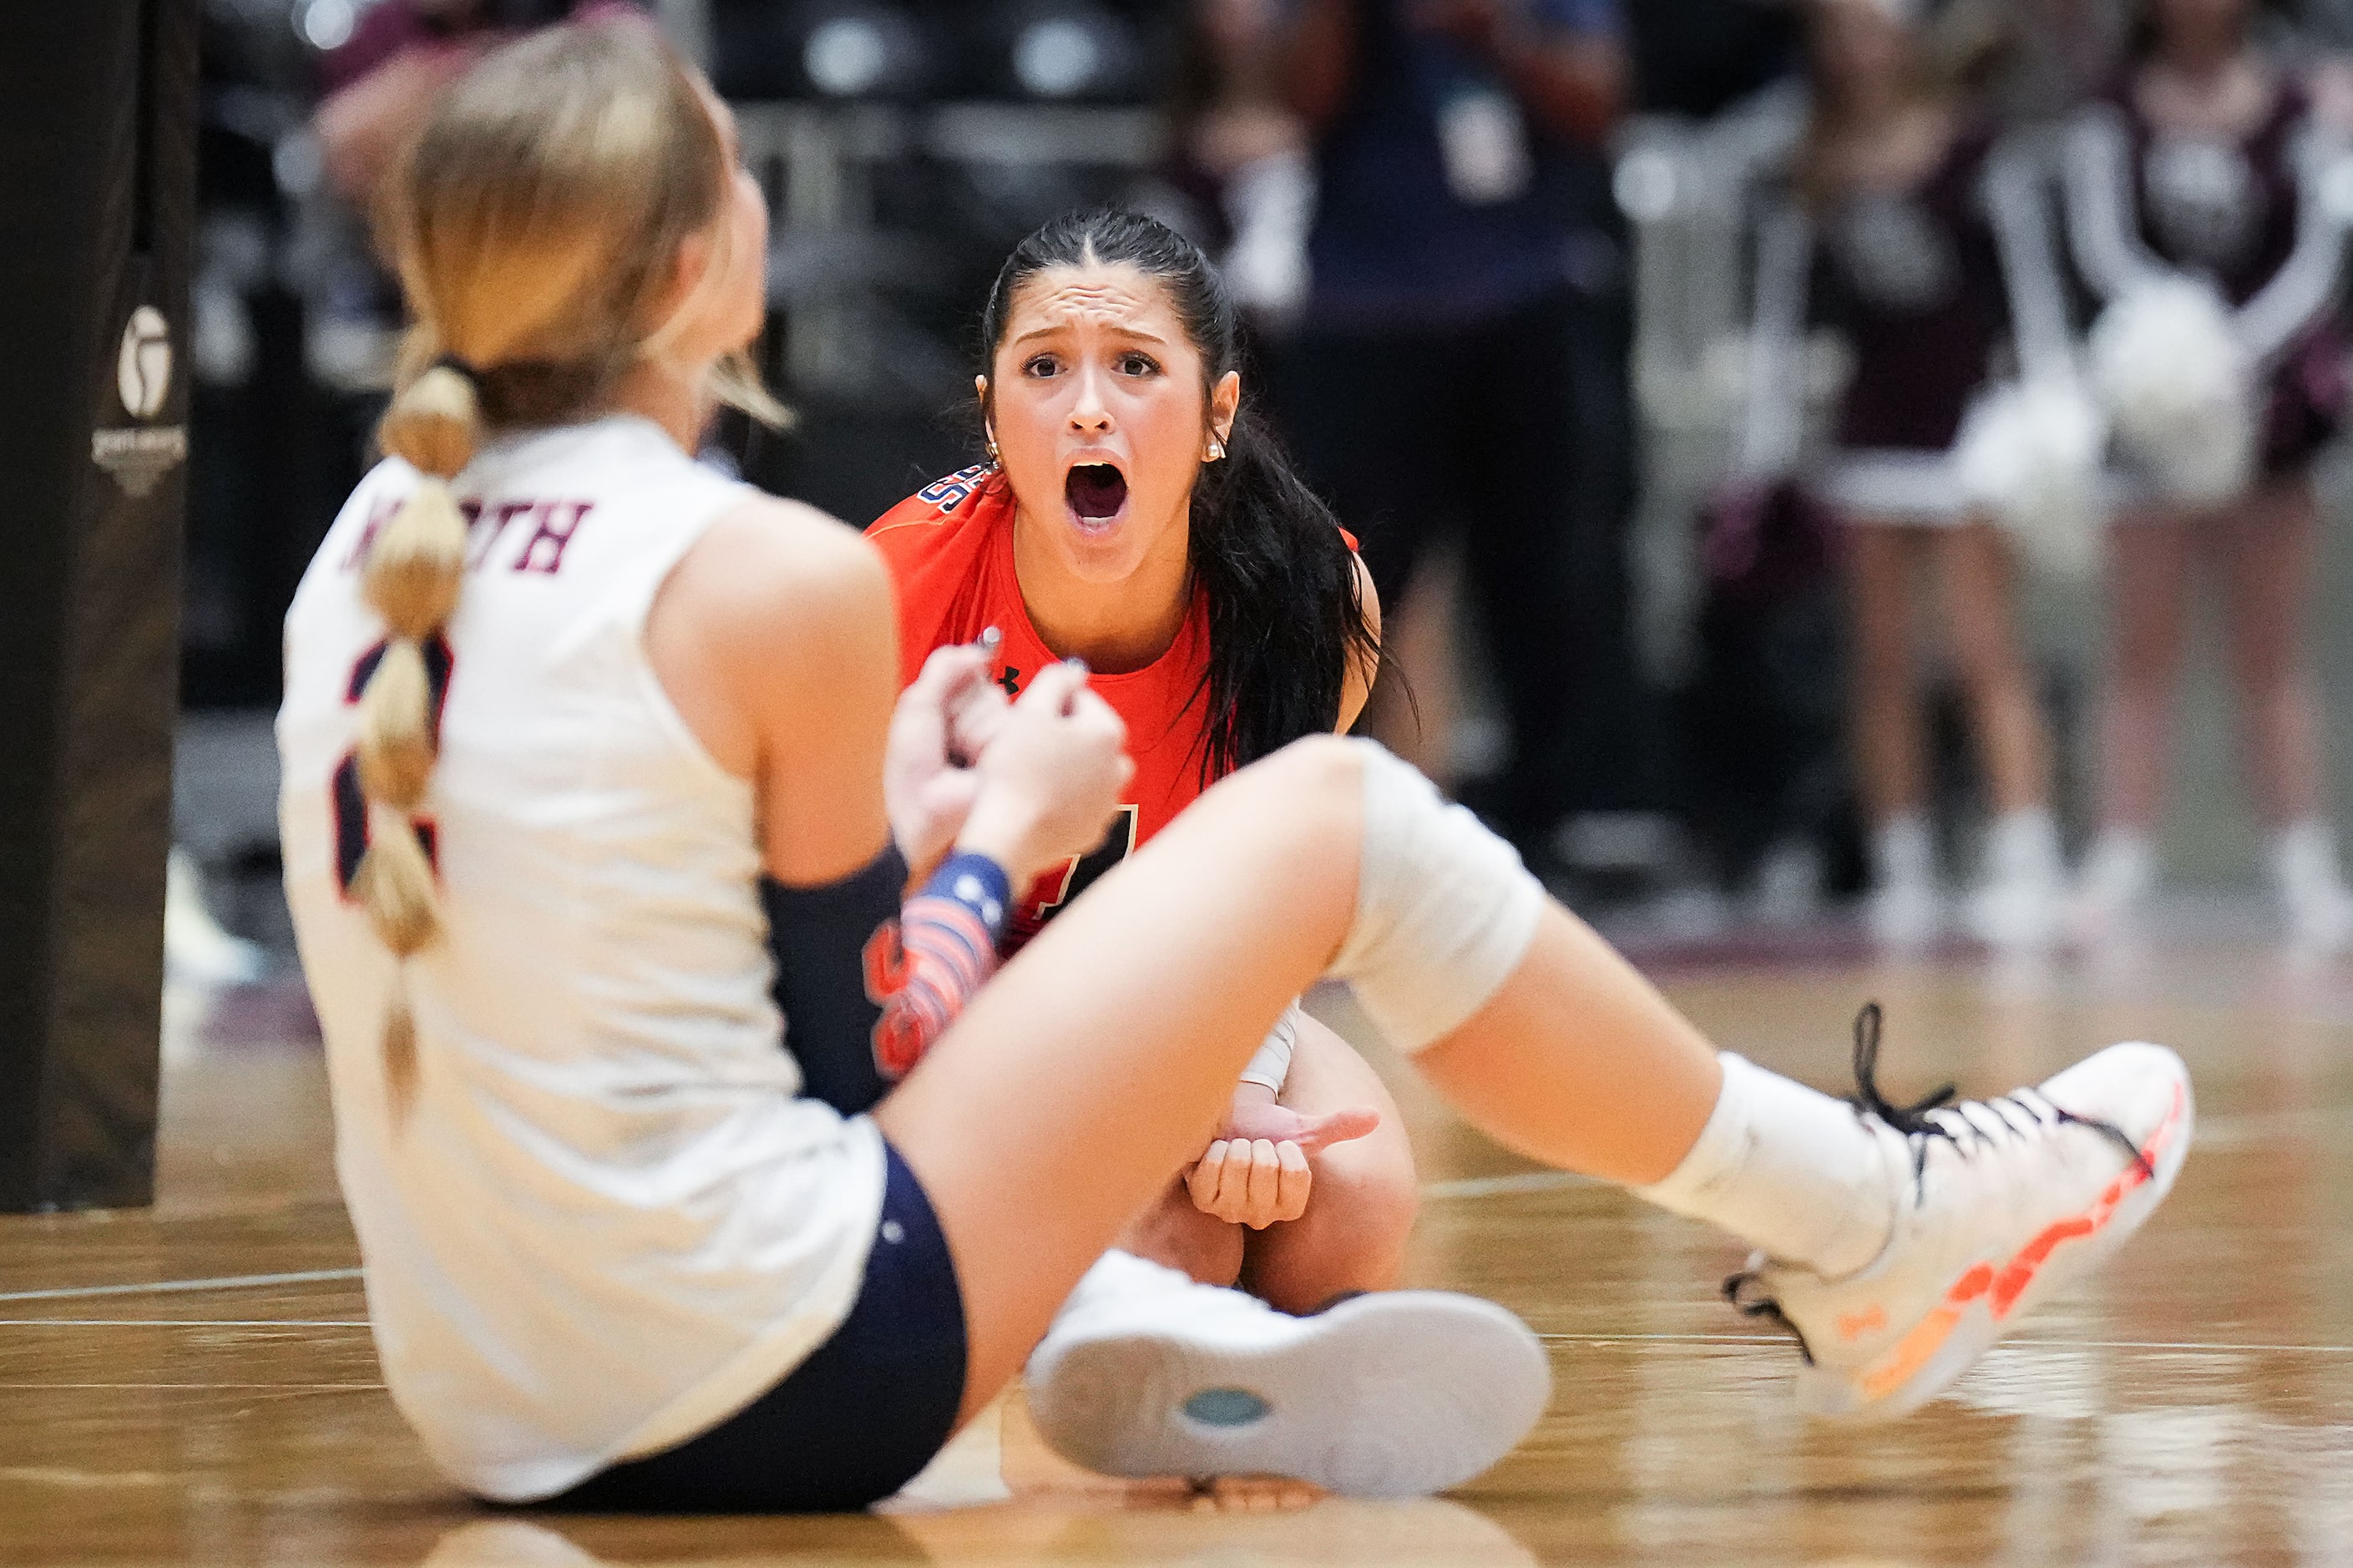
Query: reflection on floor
{"points": [[195, 1383]]}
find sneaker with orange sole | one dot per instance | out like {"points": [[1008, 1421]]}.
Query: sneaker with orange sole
{"points": [[2005, 1203]]}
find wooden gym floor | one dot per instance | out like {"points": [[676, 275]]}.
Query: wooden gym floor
{"points": [[195, 1384]]}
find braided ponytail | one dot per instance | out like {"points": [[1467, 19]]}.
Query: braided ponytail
{"points": [[537, 220], [415, 570]]}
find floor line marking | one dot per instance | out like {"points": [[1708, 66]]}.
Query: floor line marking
{"points": [[183, 1322], [171, 1287], [1489, 1186], [192, 1387], [2011, 1344]]}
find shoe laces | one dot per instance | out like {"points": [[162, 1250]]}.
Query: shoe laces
{"points": [[1966, 1125]]}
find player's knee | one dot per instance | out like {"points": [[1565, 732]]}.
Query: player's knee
{"points": [[1325, 768], [1380, 1191], [1317, 781]]}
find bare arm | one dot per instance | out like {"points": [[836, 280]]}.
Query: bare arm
{"points": [[2306, 283], [1776, 414], [2100, 207], [775, 641], [1319, 54], [364, 125], [2014, 202], [1574, 84]]}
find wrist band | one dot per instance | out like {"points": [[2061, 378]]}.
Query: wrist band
{"points": [[978, 883]]}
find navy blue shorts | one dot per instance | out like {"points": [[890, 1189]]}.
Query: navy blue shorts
{"points": [[847, 1426]]}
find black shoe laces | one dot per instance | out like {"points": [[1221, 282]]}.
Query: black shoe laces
{"points": [[1964, 1124]]}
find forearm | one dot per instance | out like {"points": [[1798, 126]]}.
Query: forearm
{"points": [[1574, 86], [363, 125], [1318, 50], [1269, 1069], [2101, 223], [2032, 283], [1774, 418], [2307, 285]]}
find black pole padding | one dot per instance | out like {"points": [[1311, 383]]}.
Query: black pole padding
{"points": [[97, 127]]}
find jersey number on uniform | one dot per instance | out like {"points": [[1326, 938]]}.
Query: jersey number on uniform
{"points": [[1083, 871], [350, 800]]}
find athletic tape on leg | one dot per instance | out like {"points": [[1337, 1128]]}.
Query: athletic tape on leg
{"points": [[1444, 908]]}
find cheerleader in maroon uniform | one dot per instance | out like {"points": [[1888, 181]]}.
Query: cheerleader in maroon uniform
{"points": [[1910, 231], [2208, 166]]}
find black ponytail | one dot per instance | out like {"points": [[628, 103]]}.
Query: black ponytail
{"points": [[1286, 621]]}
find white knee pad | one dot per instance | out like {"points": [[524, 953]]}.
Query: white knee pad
{"points": [[1444, 908]]}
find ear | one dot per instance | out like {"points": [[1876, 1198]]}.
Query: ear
{"points": [[696, 253], [1225, 402]]}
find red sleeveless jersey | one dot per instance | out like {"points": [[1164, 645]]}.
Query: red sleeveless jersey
{"points": [[950, 549]]}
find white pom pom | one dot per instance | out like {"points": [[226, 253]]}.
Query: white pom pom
{"points": [[2180, 389], [2029, 454]]}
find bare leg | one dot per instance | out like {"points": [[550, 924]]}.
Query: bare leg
{"points": [[2013, 745], [2268, 561], [2148, 576], [1889, 750], [1053, 1112], [1361, 1210], [1105, 1073], [1175, 1233]]}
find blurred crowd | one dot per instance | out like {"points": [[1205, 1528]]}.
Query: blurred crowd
{"points": [[1817, 332]]}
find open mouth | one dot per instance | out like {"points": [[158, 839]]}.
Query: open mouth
{"points": [[1096, 492]]}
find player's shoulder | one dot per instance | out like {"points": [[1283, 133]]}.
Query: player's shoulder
{"points": [[766, 562], [938, 516]]}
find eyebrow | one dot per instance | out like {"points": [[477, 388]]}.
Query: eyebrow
{"points": [[1139, 334]]}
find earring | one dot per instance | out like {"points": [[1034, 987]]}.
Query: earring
{"points": [[994, 461], [1216, 448]]}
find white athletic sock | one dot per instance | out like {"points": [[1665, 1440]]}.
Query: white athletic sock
{"points": [[1444, 908], [1787, 1169], [2303, 861], [2121, 867], [2024, 847], [1904, 852]]}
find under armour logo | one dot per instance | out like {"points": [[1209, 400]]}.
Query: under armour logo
{"points": [[1012, 682]]}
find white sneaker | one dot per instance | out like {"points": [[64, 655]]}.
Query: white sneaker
{"points": [[2008, 1201], [2311, 887], [1393, 1393], [2017, 907], [2119, 876], [1905, 909], [1904, 915], [195, 948]]}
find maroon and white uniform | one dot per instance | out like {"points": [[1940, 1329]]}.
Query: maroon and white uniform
{"points": [[2251, 217], [1937, 290]]}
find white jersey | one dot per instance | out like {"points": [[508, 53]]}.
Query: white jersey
{"points": [[607, 1223]]}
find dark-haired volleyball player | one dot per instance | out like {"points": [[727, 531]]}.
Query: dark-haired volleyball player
{"points": [[1222, 614], [567, 716]]}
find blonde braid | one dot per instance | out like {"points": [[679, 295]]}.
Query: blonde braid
{"points": [[415, 570]]}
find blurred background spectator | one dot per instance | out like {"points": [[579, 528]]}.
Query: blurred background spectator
{"points": [[1498, 258], [1459, 374]]}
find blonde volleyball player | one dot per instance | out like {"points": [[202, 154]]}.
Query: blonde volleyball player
{"points": [[565, 712], [1222, 612]]}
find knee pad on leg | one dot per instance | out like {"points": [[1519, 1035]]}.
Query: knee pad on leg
{"points": [[1444, 908]]}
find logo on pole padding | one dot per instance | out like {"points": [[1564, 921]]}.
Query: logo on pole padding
{"points": [[143, 369], [139, 455]]}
